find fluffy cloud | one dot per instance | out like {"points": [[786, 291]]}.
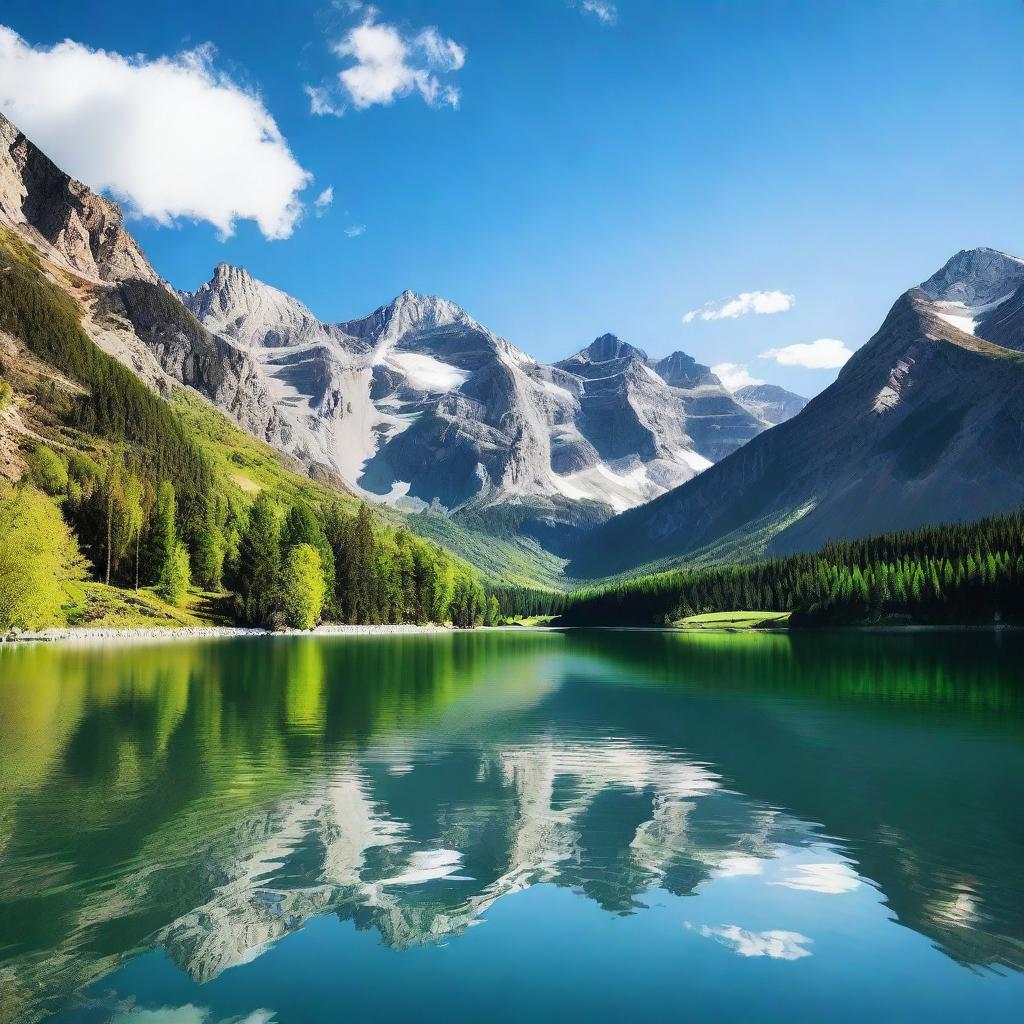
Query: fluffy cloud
{"points": [[355, 230], [823, 354], [761, 303], [773, 943], [387, 65], [605, 12], [322, 203], [169, 137], [734, 375]]}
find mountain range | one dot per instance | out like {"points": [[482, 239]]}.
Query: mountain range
{"points": [[925, 424], [607, 460], [419, 404]]}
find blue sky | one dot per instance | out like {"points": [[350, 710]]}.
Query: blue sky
{"points": [[597, 174]]}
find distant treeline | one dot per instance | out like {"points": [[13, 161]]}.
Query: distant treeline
{"points": [[956, 573], [523, 602]]}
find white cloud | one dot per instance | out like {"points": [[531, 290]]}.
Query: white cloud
{"points": [[774, 943], [389, 64], [823, 354], [355, 230], [740, 865], [322, 203], [169, 137], [188, 1014], [761, 303], [321, 102], [605, 12], [734, 375], [831, 878]]}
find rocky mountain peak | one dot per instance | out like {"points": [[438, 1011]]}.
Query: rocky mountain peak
{"points": [[410, 309], [683, 371], [253, 314], [608, 347], [770, 403], [976, 277]]}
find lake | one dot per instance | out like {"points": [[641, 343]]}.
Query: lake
{"points": [[543, 826]]}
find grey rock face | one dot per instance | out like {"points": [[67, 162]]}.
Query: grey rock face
{"points": [[683, 371], [418, 403], [770, 403], [1004, 324], [77, 228], [922, 426], [976, 277]]}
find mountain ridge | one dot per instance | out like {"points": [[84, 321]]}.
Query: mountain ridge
{"points": [[923, 424], [420, 374]]}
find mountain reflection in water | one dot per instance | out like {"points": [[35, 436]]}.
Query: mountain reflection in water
{"points": [[207, 799]]}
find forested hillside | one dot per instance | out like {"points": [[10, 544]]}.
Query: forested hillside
{"points": [[957, 573], [123, 486]]}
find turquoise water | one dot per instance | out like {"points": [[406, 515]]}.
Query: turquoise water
{"points": [[535, 826]]}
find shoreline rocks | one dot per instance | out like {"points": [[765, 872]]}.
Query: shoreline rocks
{"points": [[76, 633]]}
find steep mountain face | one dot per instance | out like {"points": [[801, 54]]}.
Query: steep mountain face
{"points": [[74, 227], [419, 404], [770, 403], [924, 424], [129, 312]]}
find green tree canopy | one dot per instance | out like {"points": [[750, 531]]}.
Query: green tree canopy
{"points": [[176, 577], [48, 470], [39, 559], [302, 587]]}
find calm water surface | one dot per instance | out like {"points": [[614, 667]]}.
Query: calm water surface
{"points": [[534, 826]]}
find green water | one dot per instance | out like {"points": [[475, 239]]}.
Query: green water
{"points": [[533, 826]]}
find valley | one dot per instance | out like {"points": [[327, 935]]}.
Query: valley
{"points": [[601, 467]]}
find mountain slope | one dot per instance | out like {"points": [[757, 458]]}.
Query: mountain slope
{"points": [[770, 403], [75, 228], [924, 424]]}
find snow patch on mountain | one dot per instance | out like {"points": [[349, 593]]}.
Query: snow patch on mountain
{"points": [[425, 373], [964, 317]]}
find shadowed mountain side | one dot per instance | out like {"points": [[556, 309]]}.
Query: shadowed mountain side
{"points": [[924, 424]]}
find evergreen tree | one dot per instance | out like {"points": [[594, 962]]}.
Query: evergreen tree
{"points": [[301, 526], [134, 519], [259, 564], [39, 559], [163, 534], [48, 470], [209, 548], [176, 576], [302, 586]]}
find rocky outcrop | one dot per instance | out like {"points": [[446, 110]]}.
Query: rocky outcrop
{"points": [[77, 228]]}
